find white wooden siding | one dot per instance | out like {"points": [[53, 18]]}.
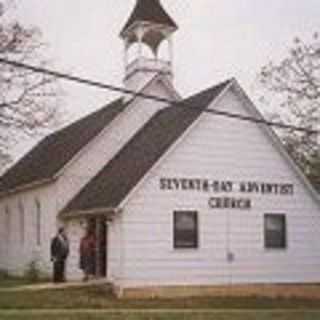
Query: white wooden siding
{"points": [[100, 151], [17, 257], [140, 241], [222, 149], [75, 232], [114, 250], [74, 177]]}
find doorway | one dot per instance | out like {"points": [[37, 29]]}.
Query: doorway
{"points": [[98, 227]]}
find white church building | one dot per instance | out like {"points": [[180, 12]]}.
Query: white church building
{"points": [[180, 197]]}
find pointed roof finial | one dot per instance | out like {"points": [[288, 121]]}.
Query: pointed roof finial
{"points": [[149, 11]]}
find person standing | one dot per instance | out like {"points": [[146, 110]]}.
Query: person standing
{"points": [[88, 255], [59, 255]]}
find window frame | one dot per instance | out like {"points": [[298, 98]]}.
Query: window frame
{"points": [[268, 245], [22, 220], [38, 222], [7, 212], [195, 244]]}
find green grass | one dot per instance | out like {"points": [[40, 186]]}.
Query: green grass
{"points": [[7, 281], [99, 297], [167, 316]]}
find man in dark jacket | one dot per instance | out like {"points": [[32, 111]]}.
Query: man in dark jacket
{"points": [[59, 254]]}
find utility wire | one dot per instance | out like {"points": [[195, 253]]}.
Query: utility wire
{"points": [[101, 85]]}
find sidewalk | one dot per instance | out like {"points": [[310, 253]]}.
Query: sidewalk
{"points": [[54, 286]]}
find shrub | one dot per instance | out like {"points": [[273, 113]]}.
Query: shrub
{"points": [[4, 275], [32, 272]]}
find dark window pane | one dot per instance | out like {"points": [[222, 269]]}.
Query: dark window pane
{"points": [[185, 229], [275, 231]]}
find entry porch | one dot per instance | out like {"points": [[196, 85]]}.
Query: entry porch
{"points": [[97, 223]]}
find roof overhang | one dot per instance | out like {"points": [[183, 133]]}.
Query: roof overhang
{"points": [[276, 141], [108, 213], [26, 187]]}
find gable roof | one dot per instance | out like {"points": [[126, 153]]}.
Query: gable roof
{"points": [[114, 182], [149, 11], [55, 151], [275, 139]]}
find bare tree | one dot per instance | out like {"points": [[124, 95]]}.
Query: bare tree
{"points": [[28, 100], [293, 85]]}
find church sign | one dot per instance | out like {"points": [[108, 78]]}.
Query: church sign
{"points": [[245, 188]]}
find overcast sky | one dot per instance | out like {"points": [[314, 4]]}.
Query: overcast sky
{"points": [[216, 40]]}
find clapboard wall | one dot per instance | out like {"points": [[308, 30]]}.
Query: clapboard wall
{"points": [[53, 197], [221, 149], [22, 216]]}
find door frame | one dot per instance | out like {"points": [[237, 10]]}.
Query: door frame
{"points": [[99, 225], [101, 247]]}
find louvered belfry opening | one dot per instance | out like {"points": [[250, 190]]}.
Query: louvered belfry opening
{"points": [[147, 33]]}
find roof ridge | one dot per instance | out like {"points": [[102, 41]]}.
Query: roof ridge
{"points": [[122, 173], [208, 89]]}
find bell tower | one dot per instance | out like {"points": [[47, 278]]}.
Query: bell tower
{"points": [[149, 25]]}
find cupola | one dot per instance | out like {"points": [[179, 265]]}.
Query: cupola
{"points": [[149, 26]]}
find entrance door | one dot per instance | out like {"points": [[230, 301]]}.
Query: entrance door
{"points": [[98, 227], [101, 248]]}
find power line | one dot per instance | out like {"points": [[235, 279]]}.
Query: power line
{"points": [[101, 85]]}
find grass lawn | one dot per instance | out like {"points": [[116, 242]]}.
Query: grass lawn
{"points": [[11, 282], [168, 316], [20, 305], [99, 297]]}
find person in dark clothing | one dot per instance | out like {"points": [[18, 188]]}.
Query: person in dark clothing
{"points": [[59, 255], [87, 255]]}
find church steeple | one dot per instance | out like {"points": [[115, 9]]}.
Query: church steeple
{"points": [[150, 25], [150, 11]]}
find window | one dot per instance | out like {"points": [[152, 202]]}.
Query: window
{"points": [[185, 230], [7, 224], [38, 222], [22, 223], [275, 231]]}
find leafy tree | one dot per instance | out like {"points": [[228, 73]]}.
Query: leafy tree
{"points": [[28, 100], [293, 85], [314, 170]]}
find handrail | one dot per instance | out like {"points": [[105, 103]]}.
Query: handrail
{"points": [[148, 63]]}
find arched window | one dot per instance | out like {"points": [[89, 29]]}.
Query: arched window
{"points": [[38, 222], [7, 224], [133, 52], [22, 223], [164, 51]]}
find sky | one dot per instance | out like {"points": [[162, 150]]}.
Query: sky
{"points": [[216, 40]]}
